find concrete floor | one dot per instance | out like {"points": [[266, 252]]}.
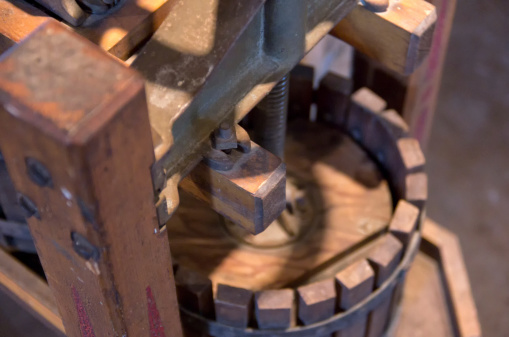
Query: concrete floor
{"points": [[467, 161], [468, 153]]}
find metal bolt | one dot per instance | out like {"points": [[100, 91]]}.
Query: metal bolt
{"points": [[376, 5], [38, 173], [270, 119], [84, 248], [28, 207]]}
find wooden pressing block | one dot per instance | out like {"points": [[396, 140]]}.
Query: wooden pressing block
{"points": [[233, 306], [317, 301], [384, 259], [252, 193], [301, 92], [76, 139], [333, 99], [399, 37], [274, 309], [194, 292], [354, 284]]}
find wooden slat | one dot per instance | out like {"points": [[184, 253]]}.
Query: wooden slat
{"points": [[30, 291], [404, 221], [354, 284], [125, 29], [194, 292], [82, 115], [444, 246], [364, 107], [301, 92], [19, 19], [399, 37], [317, 301], [275, 309], [384, 259], [333, 99], [234, 306]]}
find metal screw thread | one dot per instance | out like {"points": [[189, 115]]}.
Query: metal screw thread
{"points": [[270, 117]]}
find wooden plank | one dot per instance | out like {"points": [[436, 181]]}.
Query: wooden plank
{"points": [[424, 85], [404, 221], [233, 305], [384, 259], [301, 92], [317, 301], [194, 292], [333, 99], [81, 115], [399, 37], [19, 19], [444, 246], [30, 291], [275, 309], [124, 30], [364, 107], [354, 284]]}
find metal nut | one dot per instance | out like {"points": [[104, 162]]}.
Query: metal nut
{"points": [[38, 173]]}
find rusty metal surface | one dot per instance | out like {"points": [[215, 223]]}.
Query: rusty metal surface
{"points": [[213, 60]]}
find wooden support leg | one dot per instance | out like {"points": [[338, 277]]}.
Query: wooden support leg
{"points": [[76, 139]]}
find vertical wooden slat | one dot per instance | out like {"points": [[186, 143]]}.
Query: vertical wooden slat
{"points": [[275, 309], [354, 284], [384, 260], [233, 306], [82, 117]]}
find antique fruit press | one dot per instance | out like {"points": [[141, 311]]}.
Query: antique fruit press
{"points": [[293, 202]]}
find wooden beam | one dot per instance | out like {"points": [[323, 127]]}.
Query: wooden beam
{"points": [[19, 19], [400, 37], [77, 142], [30, 291]]}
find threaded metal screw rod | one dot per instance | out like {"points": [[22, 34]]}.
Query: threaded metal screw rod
{"points": [[270, 117]]}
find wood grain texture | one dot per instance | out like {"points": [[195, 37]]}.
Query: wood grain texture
{"points": [[404, 221], [121, 32], [275, 309], [354, 284], [18, 19], [91, 131], [400, 37], [234, 306], [384, 259], [251, 193], [346, 213], [444, 246], [30, 291], [317, 301]]}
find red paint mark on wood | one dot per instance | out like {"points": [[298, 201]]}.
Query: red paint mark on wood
{"points": [[156, 325], [85, 325]]}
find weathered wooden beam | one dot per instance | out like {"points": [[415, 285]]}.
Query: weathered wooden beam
{"points": [[77, 142], [399, 37]]}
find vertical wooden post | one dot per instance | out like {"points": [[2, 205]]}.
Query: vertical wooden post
{"points": [[75, 135]]}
